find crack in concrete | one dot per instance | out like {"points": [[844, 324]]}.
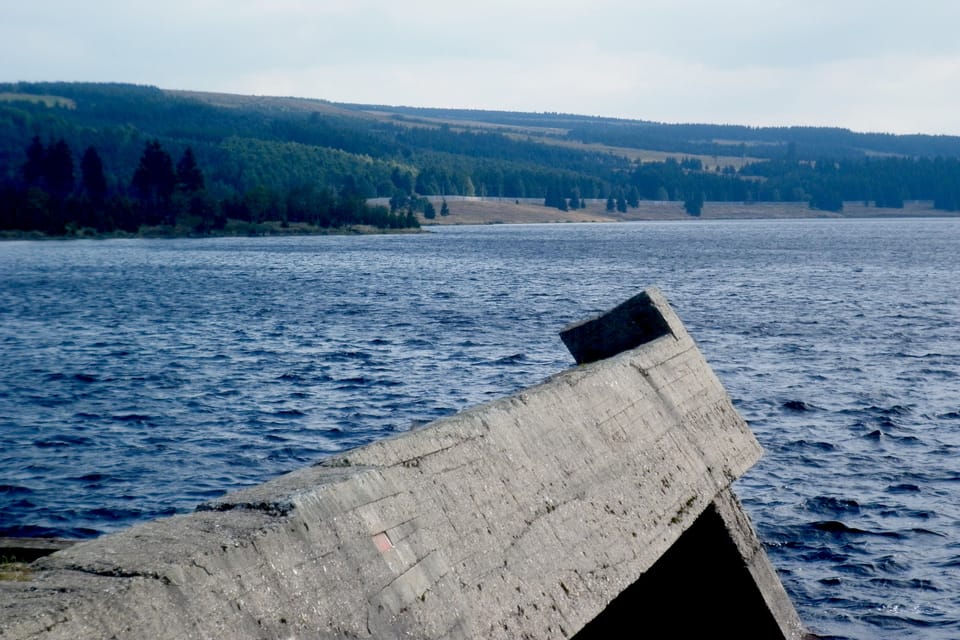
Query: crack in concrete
{"points": [[201, 567], [419, 561], [116, 572], [275, 509], [415, 460]]}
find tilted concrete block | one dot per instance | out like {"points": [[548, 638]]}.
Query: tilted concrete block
{"points": [[533, 516]]}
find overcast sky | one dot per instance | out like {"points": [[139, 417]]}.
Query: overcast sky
{"points": [[870, 65]]}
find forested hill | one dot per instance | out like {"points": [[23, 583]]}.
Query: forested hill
{"points": [[807, 143], [114, 156]]}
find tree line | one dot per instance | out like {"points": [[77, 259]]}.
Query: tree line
{"points": [[311, 162], [47, 196], [823, 184]]}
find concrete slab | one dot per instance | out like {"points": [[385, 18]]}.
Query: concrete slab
{"points": [[521, 518]]}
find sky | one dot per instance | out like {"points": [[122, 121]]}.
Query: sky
{"points": [[868, 65]]}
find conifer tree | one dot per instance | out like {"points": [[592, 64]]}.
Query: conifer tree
{"points": [[34, 168], [189, 176], [91, 175], [694, 204], [59, 169], [154, 180]]}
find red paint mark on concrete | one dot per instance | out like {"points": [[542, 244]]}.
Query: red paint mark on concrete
{"points": [[382, 542]]}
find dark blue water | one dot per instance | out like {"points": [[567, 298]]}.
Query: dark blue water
{"points": [[138, 378]]}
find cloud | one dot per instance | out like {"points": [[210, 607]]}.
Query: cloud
{"points": [[864, 64]]}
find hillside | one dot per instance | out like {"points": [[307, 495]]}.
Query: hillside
{"points": [[707, 140], [292, 160]]}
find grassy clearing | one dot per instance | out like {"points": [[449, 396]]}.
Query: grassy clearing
{"points": [[540, 134], [530, 211], [511, 211], [50, 101], [237, 101], [554, 136], [710, 163]]}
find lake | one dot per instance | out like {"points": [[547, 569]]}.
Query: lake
{"points": [[141, 377]]}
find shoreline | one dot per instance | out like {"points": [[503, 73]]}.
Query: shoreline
{"points": [[472, 211], [496, 211], [261, 230]]}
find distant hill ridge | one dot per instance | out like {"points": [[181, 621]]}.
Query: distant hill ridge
{"points": [[280, 156]]}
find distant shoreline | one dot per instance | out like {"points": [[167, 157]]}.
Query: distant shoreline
{"points": [[532, 211], [489, 211], [247, 230]]}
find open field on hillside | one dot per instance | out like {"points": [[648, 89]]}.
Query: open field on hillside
{"points": [[270, 103], [553, 136], [710, 163], [543, 135], [50, 101], [529, 211]]}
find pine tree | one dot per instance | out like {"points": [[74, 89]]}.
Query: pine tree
{"points": [[91, 175], [694, 204], [154, 180], [59, 169], [34, 168], [621, 203], [189, 176]]}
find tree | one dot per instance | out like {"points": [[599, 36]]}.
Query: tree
{"points": [[91, 175], [444, 209], [154, 180], [429, 212], [693, 205], [398, 200], [402, 180], [552, 198], [34, 169], [49, 168], [410, 221], [611, 205], [189, 176], [59, 169], [555, 197], [826, 199], [203, 213]]}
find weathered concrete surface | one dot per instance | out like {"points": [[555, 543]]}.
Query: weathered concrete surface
{"points": [[521, 518]]}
